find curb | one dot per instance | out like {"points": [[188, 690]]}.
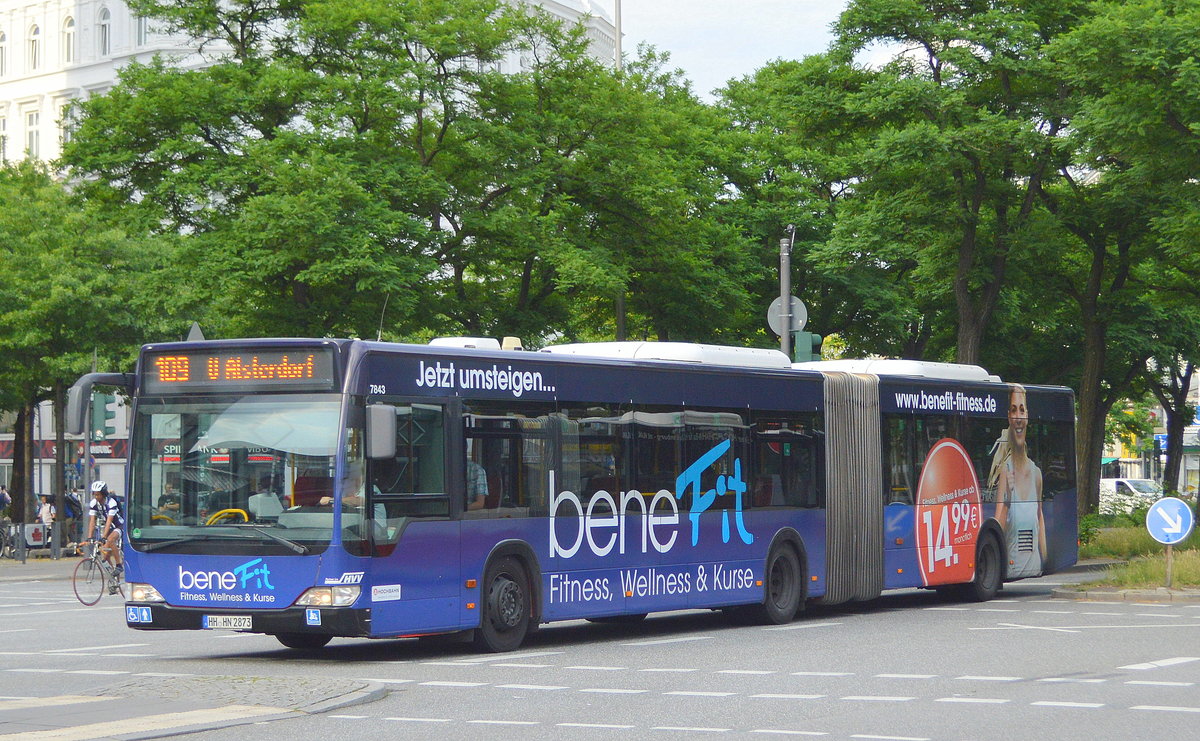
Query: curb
{"points": [[1099, 594], [370, 693]]}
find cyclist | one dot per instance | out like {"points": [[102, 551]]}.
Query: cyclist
{"points": [[105, 523]]}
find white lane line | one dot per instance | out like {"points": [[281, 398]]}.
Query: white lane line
{"points": [[506, 722], [1161, 684], [97, 672], [389, 681], [523, 666], [17, 630], [745, 671], [697, 693], [350, 717], [1162, 663], [905, 676], [37, 671], [1054, 704], [599, 668], [420, 720], [947, 609], [1018, 626], [594, 725], [665, 641], [147, 723], [973, 678], [546, 687], [163, 674], [95, 648], [1165, 708], [446, 663], [127, 656], [889, 738], [511, 657], [691, 729], [47, 702], [1072, 680], [786, 732], [995, 609], [977, 700], [822, 674], [1052, 612], [777, 696], [1106, 614], [613, 691], [1078, 628], [803, 626], [1157, 614], [878, 698], [453, 684]]}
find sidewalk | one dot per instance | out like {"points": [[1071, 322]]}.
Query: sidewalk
{"points": [[38, 568]]}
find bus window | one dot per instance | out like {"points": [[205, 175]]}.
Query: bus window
{"points": [[789, 466], [898, 460], [508, 458]]}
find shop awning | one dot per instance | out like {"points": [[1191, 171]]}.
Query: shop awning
{"points": [[1108, 460]]}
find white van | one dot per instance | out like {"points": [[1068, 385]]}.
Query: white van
{"points": [[1122, 496]]}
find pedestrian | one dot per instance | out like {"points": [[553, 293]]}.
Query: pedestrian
{"points": [[5, 500], [46, 514]]}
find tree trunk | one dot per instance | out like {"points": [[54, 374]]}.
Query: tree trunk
{"points": [[19, 472], [30, 480], [1089, 432]]}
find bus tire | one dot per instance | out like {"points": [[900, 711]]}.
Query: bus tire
{"points": [[309, 641], [783, 587], [505, 606], [989, 572]]}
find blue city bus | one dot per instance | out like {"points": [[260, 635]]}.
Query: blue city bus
{"points": [[308, 489]]}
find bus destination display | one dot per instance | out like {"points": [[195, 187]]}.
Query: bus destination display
{"points": [[297, 368]]}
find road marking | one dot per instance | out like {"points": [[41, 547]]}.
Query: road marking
{"points": [[803, 626], [599, 668], [47, 702], [389, 681], [95, 648], [878, 698], [1162, 663], [1106, 614], [147, 723], [511, 657], [978, 700], [17, 630], [1157, 614], [905, 676], [1018, 626], [350, 717], [665, 641], [163, 674], [890, 738], [98, 672], [996, 609], [506, 722], [1053, 612], [697, 693], [1072, 680], [1165, 708], [774, 696], [453, 684], [1161, 684], [745, 671], [822, 674], [37, 671], [523, 666], [687, 729], [420, 720], [593, 725], [989, 679], [1053, 704], [613, 691], [446, 663], [784, 732], [668, 669], [947, 609], [546, 687]]}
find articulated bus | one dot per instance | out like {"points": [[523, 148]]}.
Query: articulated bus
{"points": [[308, 489]]}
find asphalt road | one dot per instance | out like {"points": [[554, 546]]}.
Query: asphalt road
{"points": [[907, 666]]}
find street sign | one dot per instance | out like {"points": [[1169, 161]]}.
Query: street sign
{"points": [[1170, 520], [775, 315]]}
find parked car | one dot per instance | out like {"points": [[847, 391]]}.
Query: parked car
{"points": [[1122, 496]]}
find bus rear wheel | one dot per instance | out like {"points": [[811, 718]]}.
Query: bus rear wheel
{"points": [[988, 572], [309, 641], [783, 591], [505, 606]]}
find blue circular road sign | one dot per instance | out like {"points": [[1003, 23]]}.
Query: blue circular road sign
{"points": [[1170, 520]]}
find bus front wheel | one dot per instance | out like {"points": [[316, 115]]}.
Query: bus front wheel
{"points": [[504, 602]]}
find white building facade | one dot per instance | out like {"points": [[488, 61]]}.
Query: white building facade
{"points": [[55, 51]]}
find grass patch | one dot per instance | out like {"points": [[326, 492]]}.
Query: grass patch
{"points": [[1151, 572], [1128, 542]]}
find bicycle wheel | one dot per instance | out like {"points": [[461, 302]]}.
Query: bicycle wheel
{"points": [[88, 581]]}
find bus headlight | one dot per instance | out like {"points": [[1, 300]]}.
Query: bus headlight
{"points": [[329, 597], [144, 593]]}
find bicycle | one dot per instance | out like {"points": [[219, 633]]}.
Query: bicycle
{"points": [[94, 576]]}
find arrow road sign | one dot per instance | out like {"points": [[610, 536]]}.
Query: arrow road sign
{"points": [[1170, 521]]}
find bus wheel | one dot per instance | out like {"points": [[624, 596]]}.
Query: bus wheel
{"points": [[505, 606], [988, 572], [783, 588], [303, 640]]}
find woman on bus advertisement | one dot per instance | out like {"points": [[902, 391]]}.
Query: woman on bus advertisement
{"points": [[1019, 493]]}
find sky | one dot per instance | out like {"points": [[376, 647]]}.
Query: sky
{"points": [[714, 41]]}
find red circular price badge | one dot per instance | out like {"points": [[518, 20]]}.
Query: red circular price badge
{"points": [[948, 515]]}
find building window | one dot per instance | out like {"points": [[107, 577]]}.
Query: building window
{"points": [[68, 123], [35, 47], [68, 41], [32, 140], [104, 33], [143, 31], [3, 55], [3, 140]]}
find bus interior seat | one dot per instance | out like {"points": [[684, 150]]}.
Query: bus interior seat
{"points": [[308, 490]]}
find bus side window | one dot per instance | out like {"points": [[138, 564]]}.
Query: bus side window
{"points": [[897, 443]]}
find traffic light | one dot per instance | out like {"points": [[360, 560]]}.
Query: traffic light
{"points": [[104, 417], [806, 346]]}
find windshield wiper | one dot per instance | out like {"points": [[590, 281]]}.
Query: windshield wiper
{"points": [[296, 547], [291, 544], [169, 543]]}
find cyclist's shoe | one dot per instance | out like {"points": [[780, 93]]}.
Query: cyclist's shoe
{"points": [[112, 588], [119, 573]]}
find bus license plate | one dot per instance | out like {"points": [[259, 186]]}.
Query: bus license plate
{"points": [[227, 622]]}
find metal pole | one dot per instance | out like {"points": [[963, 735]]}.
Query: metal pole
{"points": [[617, 14], [1170, 564], [785, 290]]}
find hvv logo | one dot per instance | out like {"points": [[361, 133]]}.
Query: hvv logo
{"points": [[659, 525], [240, 577]]}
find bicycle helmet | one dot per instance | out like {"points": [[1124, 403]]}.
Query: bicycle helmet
{"points": [[99, 486]]}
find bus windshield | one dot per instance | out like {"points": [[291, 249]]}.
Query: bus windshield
{"points": [[234, 474]]}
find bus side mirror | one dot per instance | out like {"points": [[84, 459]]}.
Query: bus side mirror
{"points": [[79, 398], [381, 431]]}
